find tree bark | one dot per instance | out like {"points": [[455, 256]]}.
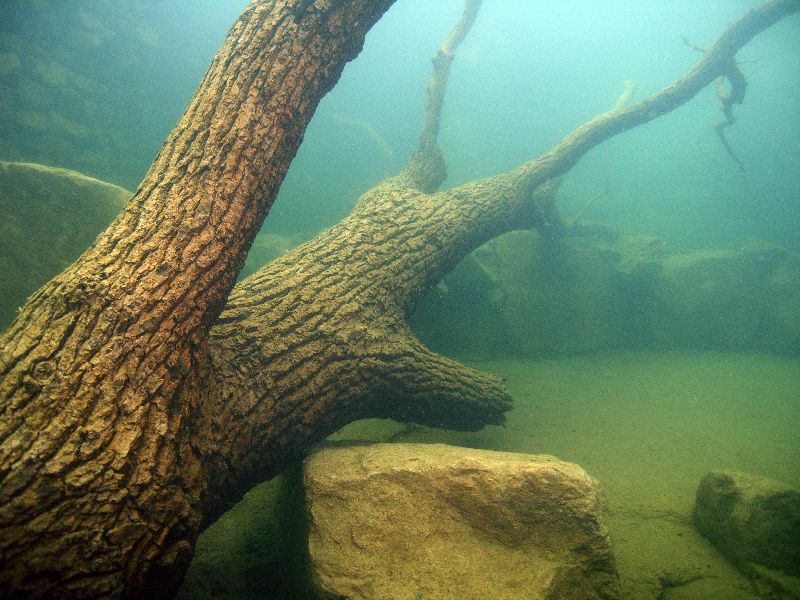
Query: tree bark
{"points": [[128, 422], [103, 482]]}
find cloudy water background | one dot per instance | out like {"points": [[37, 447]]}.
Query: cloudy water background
{"points": [[97, 85]]}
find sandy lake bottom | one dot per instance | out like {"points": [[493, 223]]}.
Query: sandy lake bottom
{"points": [[647, 425]]}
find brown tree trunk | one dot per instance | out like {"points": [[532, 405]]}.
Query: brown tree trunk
{"points": [[126, 427], [103, 482]]}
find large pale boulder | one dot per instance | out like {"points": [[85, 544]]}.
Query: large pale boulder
{"points": [[751, 519], [430, 521]]}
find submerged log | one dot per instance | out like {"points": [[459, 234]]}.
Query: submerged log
{"points": [[129, 422], [104, 373]]}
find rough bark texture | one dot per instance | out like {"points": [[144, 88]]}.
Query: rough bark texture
{"points": [[124, 427], [104, 483]]}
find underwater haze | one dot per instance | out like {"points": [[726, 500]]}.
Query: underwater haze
{"points": [[656, 342], [96, 86]]}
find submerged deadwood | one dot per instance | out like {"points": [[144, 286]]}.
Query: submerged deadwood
{"points": [[104, 374], [128, 421]]}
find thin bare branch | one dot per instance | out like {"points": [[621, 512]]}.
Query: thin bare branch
{"points": [[426, 168], [693, 46], [718, 61], [735, 96]]}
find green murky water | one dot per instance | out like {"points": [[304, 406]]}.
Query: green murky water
{"points": [[96, 86]]}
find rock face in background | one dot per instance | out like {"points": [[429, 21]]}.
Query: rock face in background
{"points": [[599, 289], [402, 521], [255, 551], [95, 85], [740, 298], [523, 295], [752, 520], [49, 216]]}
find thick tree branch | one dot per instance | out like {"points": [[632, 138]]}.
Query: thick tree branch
{"points": [[318, 337]]}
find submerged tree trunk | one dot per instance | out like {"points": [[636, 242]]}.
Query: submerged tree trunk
{"points": [[103, 476], [127, 425]]}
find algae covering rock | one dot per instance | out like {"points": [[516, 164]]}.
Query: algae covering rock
{"points": [[601, 289], [751, 519], [430, 521], [728, 299], [49, 216], [527, 295]]}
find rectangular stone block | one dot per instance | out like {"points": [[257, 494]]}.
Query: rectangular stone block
{"points": [[430, 521]]}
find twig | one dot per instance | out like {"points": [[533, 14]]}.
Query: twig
{"points": [[728, 99], [592, 201], [736, 96], [718, 61], [367, 129], [625, 96], [692, 45]]}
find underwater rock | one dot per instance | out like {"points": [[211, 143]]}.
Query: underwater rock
{"points": [[431, 521], [751, 519], [524, 295], [602, 289], [725, 299], [50, 216]]}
